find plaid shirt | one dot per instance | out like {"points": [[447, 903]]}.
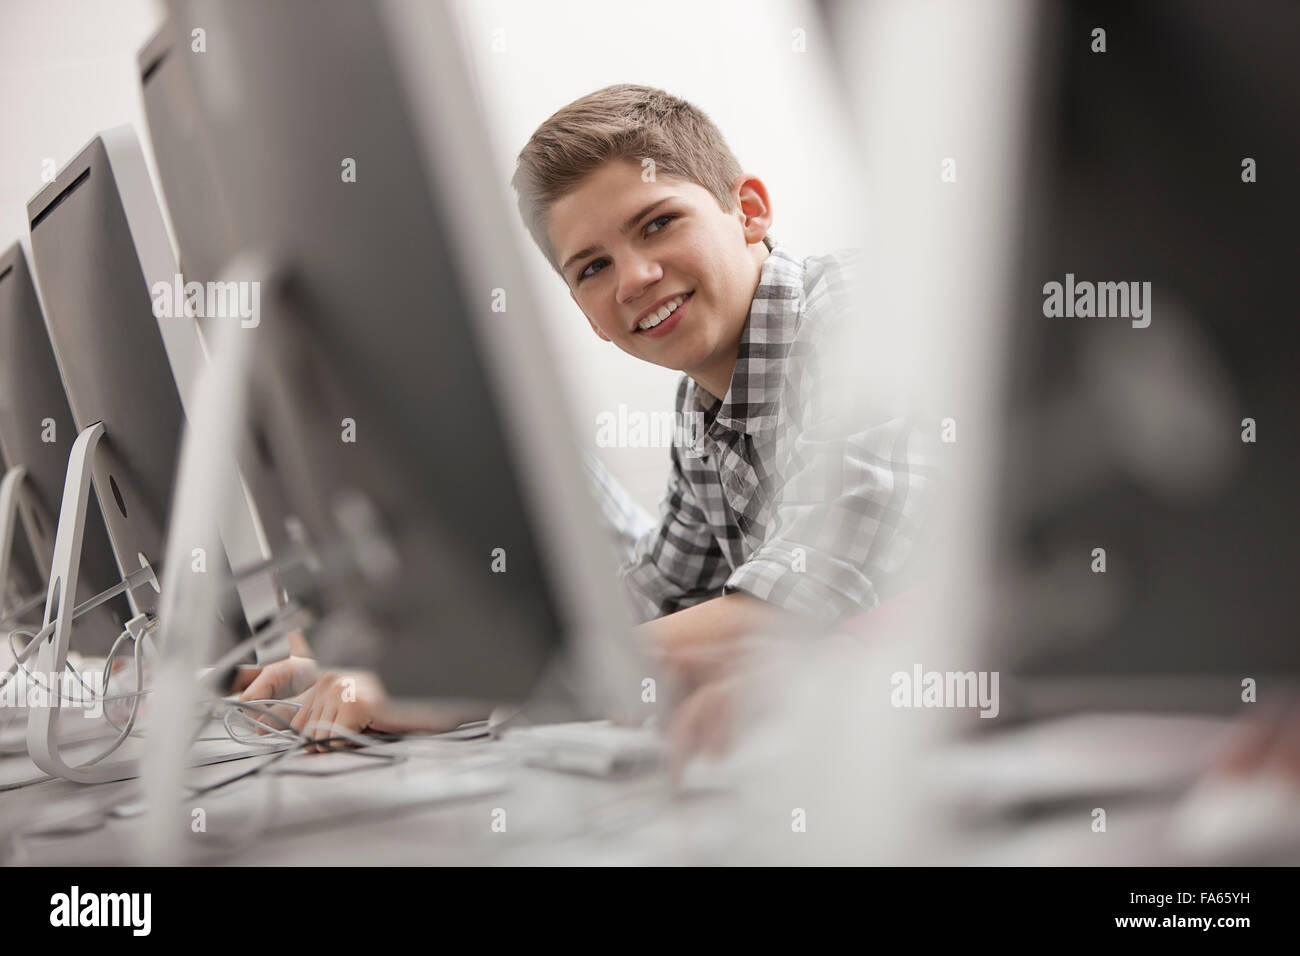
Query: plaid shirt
{"points": [[783, 492]]}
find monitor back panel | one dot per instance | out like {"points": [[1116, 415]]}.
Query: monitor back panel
{"points": [[37, 431], [109, 351]]}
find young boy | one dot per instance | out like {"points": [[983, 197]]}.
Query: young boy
{"points": [[789, 505], [787, 502]]}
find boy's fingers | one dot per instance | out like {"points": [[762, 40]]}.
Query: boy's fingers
{"points": [[329, 725], [271, 716], [291, 718], [316, 729], [685, 733], [713, 719], [263, 686], [719, 726], [275, 717], [314, 724], [702, 724], [281, 679], [300, 717]]}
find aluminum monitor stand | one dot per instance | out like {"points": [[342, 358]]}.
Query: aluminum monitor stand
{"points": [[52, 654]]}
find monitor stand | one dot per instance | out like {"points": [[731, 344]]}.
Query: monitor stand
{"points": [[52, 654]]}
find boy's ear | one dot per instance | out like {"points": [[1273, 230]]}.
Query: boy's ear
{"points": [[598, 332], [755, 211]]}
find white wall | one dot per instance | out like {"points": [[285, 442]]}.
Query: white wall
{"points": [[68, 71], [69, 66]]}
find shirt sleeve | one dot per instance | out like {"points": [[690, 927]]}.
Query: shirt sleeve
{"points": [[850, 506], [679, 563], [845, 524]]}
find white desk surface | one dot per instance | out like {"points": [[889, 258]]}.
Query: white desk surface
{"points": [[555, 818]]}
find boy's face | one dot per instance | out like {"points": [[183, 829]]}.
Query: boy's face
{"points": [[628, 247]]}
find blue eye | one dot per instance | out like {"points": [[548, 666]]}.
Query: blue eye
{"points": [[665, 219], [583, 274]]}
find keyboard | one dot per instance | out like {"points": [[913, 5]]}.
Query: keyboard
{"points": [[597, 748]]}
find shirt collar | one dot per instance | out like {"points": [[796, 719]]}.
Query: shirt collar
{"points": [[752, 402]]}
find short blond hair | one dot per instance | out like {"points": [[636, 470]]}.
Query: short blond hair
{"points": [[623, 121]]}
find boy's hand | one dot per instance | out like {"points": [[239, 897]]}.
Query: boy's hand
{"points": [[704, 722], [718, 650], [703, 643], [245, 676], [715, 713], [348, 701], [279, 681]]}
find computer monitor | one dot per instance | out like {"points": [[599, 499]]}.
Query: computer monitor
{"points": [[21, 582], [1147, 531], [100, 250], [183, 157], [23, 592], [204, 231], [36, 433], [107, 345], [395, 400]]}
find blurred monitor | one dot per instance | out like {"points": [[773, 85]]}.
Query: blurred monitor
{"points": [[204, 230], [36, 432], [425, 515], [1160, 164]]}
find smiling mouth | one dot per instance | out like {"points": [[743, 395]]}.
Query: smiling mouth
{"points": [[665, 312]]}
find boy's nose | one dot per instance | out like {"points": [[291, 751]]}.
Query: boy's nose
{"points": [[639, 275]]}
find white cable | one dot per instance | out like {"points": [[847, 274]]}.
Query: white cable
{"points": [[237, 708], [135, 708]]}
